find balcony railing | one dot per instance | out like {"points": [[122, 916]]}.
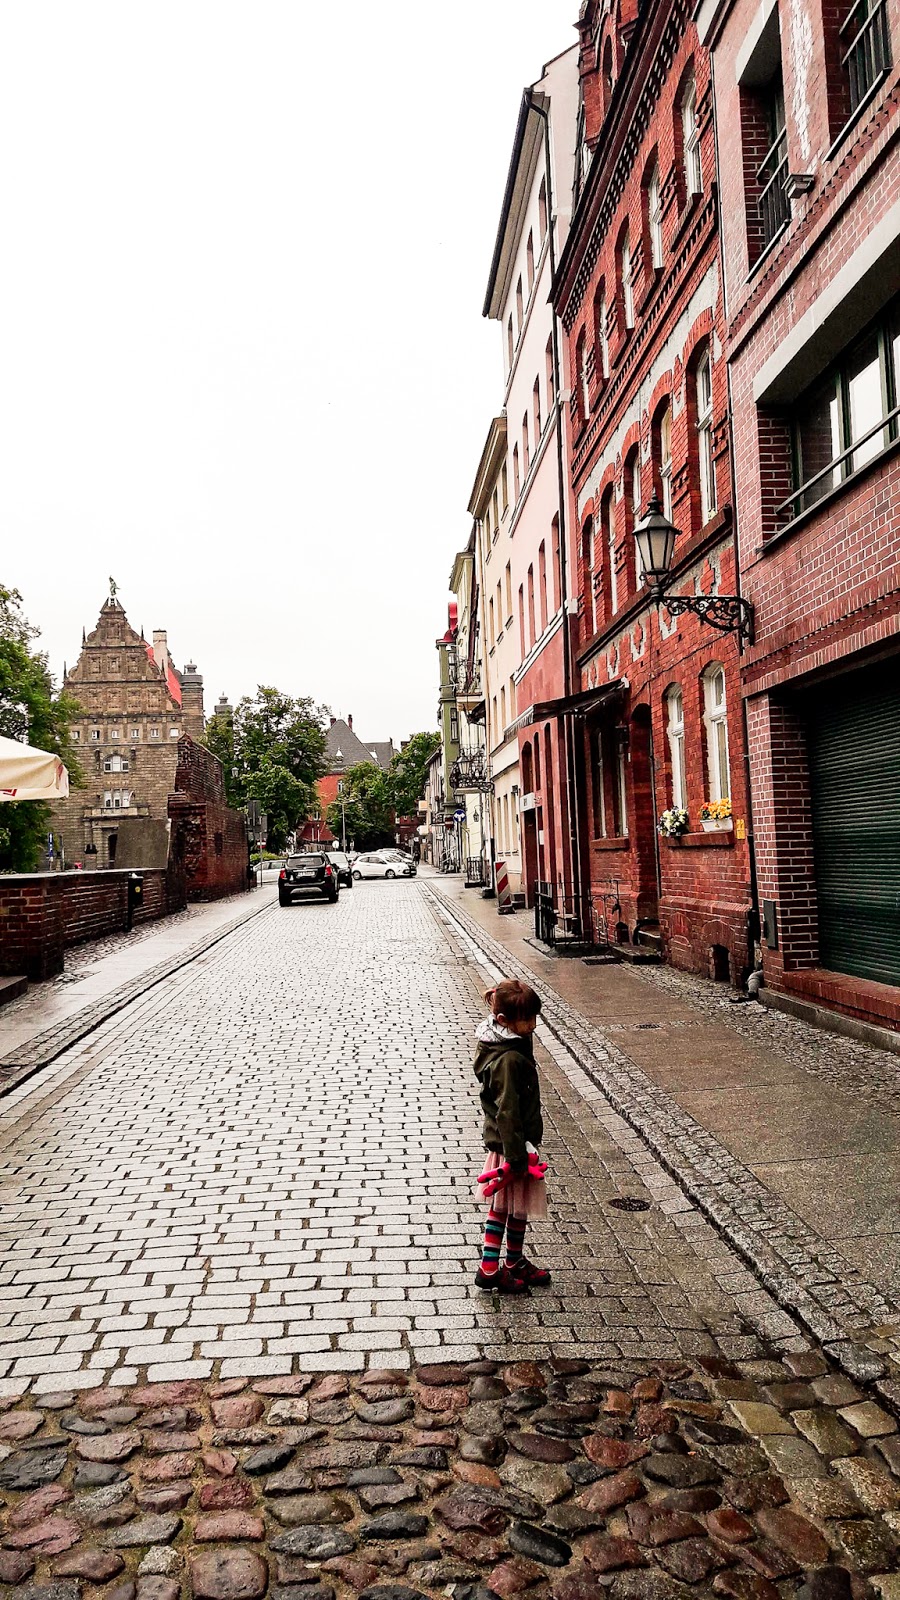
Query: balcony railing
{"points": [[866, 46], [773, 206]]}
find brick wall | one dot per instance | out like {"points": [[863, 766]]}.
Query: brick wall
{"points": [[826, 592], [43, 913]]}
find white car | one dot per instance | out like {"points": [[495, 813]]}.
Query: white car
{"points": [[380, 864]]}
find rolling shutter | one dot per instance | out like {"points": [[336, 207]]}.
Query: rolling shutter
{"points": [[853, 731]]}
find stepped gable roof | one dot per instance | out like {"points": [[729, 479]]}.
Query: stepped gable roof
{"points": [[344, 748]]}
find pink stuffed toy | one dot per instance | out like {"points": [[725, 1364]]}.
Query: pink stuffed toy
{"points": [[498, 1179]]}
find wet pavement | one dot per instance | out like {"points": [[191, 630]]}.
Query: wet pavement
{"points": [[260, 1170]]}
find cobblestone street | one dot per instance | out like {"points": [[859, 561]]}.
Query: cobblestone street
{"points": [[256, 1177]]}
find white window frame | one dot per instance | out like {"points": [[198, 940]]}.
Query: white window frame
{"points": [[113, 733], [622, 787], [75, 734], [583, 387], [174, 733], [609, 507], [693, 169], [675, 735], [135, 734], [603, 336], [654, 218], [599, 788], [636, 511], [715, 718], [95, 734], [704, 403], [665, 459], [627, 281], [154, 733]]}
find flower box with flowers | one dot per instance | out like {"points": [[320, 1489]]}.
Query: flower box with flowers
{"points": [[715, 816], [673, 823]]}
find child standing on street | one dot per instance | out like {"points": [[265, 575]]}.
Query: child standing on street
{"points": [[513, 1129]]}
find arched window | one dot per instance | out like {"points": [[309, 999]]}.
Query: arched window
{"points": [[662, 452], [510, 341], [704, 412], [520, 307], [654, 218], [581, 377], [587, 558], [606, 74], [542, 210], [608, 522], [536, 410], [675, 735], [690, 138], [529, 261], [601, 331], [516, 481], [715, 719], [626, 280], [526, 453], [633, 505]]}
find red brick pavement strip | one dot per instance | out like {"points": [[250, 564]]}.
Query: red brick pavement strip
{"points": [[560, 1480]]}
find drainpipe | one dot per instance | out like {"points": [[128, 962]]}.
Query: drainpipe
{"points": [[753, 920], [574, 818]]}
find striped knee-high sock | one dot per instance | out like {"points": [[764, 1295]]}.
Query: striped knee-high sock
{"points": [[493, 1238], [515, 1238]]}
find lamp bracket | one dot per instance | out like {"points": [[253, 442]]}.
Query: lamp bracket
{"points": [[727, 613]]}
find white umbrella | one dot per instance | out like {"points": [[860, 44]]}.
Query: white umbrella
{"points": [[29, 774]]}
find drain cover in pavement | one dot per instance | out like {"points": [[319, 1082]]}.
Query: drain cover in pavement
{"points": [[627, 1202]]}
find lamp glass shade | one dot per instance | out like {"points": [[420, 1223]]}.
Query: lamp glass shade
{"points": [[655, 538]]}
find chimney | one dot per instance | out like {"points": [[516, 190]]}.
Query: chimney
{"points": [[224, 708], [192, 701], [160, 649], [350, 723]]}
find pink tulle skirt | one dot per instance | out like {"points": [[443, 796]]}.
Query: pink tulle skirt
{"points": [[524, 1197]]}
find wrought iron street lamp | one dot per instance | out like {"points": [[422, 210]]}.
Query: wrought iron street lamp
{"points": [[654, 537]]}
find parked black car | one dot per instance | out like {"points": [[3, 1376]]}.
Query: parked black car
{"points": [[309, 874], [342, 866]]}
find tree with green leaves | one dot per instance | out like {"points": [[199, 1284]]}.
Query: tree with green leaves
{"points": [[32, 711], [273, 751], [368, 807], [406, 773]]}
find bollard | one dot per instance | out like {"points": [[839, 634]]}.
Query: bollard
{"points": [[504, 893], [135, 897]]}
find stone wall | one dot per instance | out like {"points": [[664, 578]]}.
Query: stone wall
{"points": [[213, 836]]}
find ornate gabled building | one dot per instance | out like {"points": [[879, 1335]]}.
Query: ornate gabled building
{"points": [[136, 705]]}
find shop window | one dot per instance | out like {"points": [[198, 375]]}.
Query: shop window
{"points": [[704, 416], [675, 735], [848, 417], [715, 719]]}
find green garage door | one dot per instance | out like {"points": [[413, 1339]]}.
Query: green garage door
{"points": [[853, 729]]}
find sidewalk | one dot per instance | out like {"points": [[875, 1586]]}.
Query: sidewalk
{"points": [[102, 974], [789, 1136]]}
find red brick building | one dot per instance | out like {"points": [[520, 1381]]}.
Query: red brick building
{"points": [[639, 292], [807, 99]]}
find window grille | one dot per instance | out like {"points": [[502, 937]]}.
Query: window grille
{"points": [[865, 48]]}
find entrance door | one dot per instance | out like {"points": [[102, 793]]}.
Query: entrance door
{"points": [[642, 822], [853, 735]]}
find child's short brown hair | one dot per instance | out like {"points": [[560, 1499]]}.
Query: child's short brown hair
{"points": [[515, 1001]]}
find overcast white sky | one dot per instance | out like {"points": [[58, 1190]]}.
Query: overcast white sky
{"points": [[243, 367]]}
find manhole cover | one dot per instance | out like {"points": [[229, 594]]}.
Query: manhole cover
{"points": [[627, 1202]]}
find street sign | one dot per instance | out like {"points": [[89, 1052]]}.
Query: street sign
{"points": [[460, 814]]}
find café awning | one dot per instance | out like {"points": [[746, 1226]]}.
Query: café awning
{"points": [[30, 774]]}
